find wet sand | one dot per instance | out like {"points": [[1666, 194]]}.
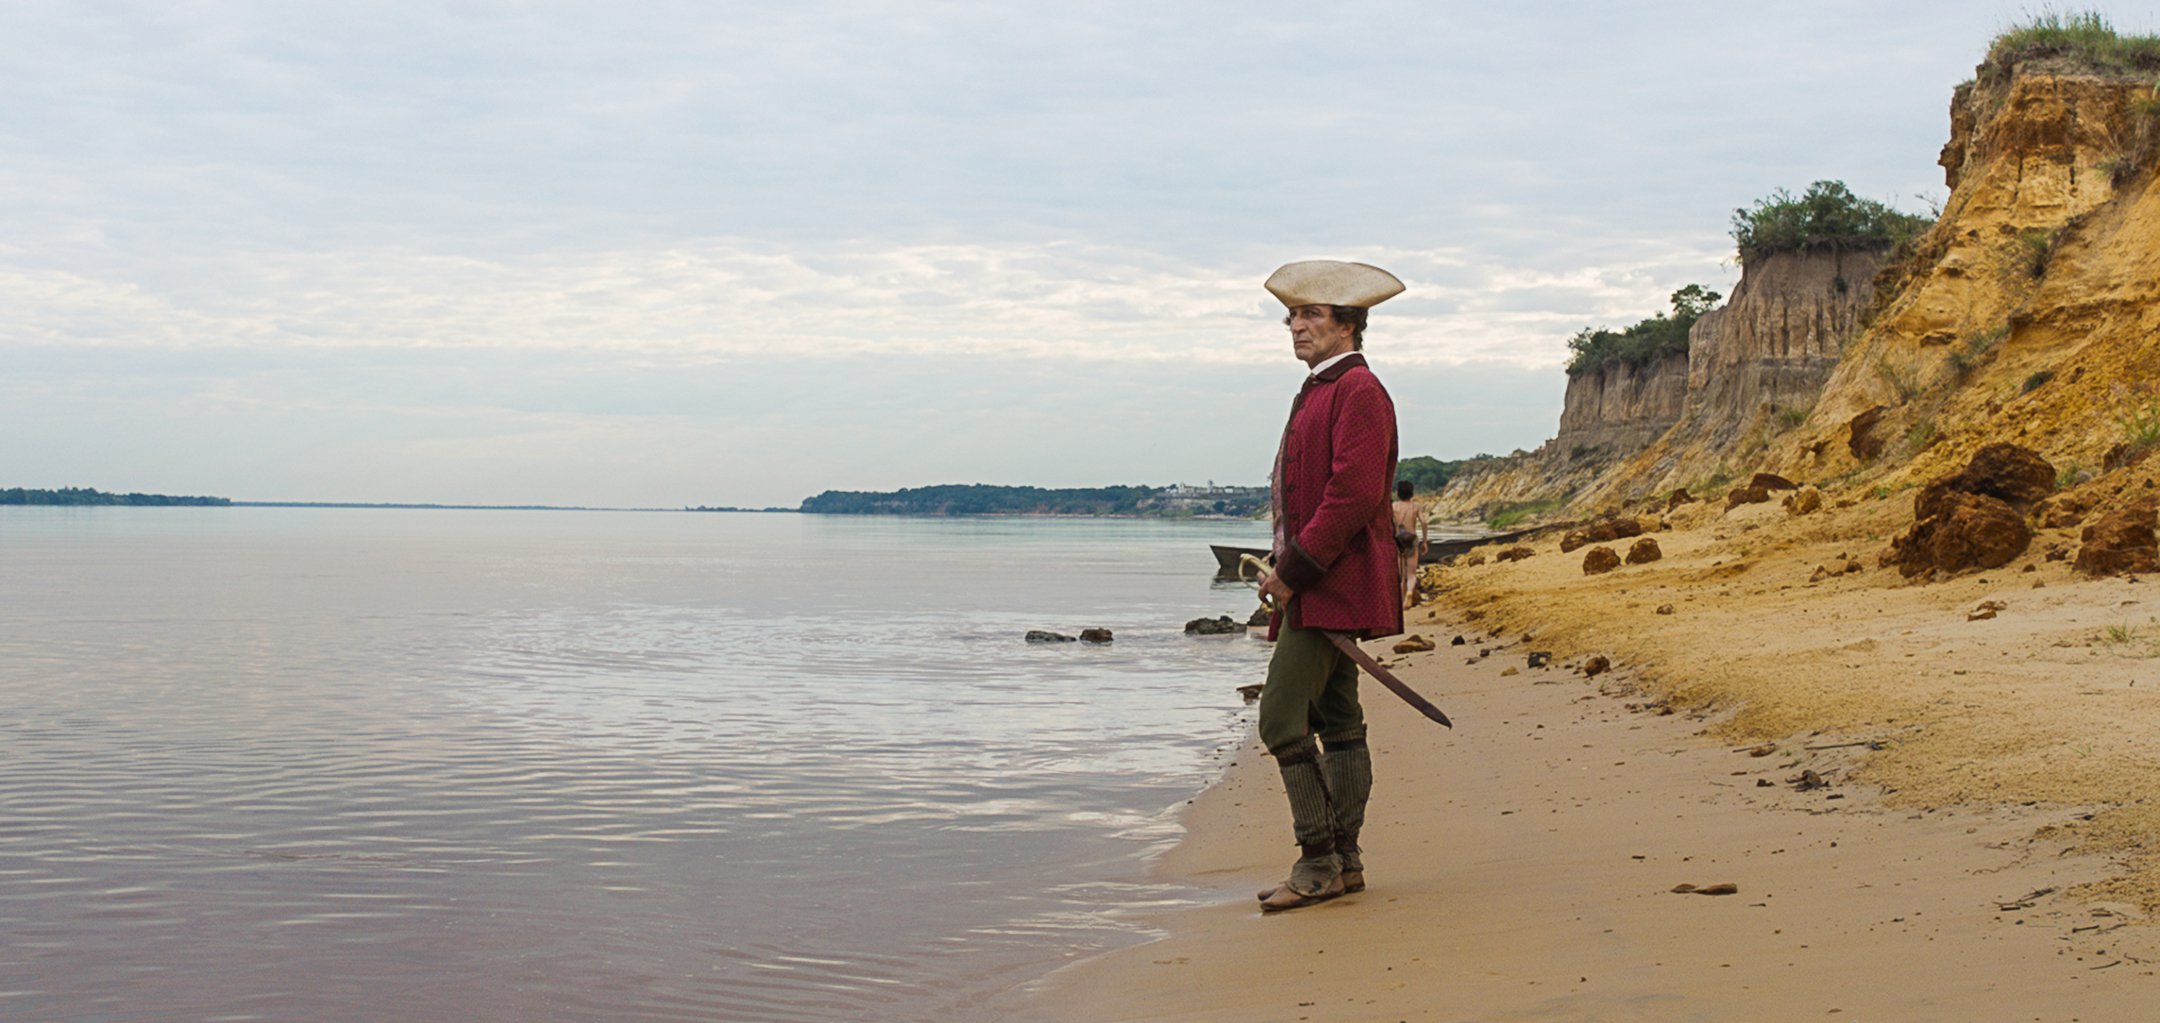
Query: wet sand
{"points": [[1522, 868]]}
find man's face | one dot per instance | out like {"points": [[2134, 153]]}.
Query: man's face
{"points": [[1314, 334]]}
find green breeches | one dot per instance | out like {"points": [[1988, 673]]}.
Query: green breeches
{"points": [[1311, 691]]}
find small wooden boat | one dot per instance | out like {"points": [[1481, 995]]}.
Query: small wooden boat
{"points": [[1440, 548], [1226, 558]]}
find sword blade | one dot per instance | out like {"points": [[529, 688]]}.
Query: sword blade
{"points": [[1387, 678]]}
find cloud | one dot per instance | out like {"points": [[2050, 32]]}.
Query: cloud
{"points": [[573, 253], [1072, 302]]}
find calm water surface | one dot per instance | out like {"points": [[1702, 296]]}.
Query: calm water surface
{"points": [[355, 764]]}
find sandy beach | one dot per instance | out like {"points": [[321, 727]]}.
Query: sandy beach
{"points": [[1979, 850]]}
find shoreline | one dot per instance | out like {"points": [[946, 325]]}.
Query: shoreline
{"points": [[1975, 866]]}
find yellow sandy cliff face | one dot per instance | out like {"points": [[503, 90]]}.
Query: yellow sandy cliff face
{"points": [[2029, 314]]}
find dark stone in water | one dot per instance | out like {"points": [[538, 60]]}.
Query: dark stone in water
{"points": [[1042, 636], [1095, 635], [1259, 619], [1220, 626]]}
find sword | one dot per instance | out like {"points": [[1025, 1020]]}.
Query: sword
{"points": [[1349, 646]]}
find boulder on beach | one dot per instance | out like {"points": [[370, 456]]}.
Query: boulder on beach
{"points": [[1771, 481], [1738, 496], [1046, 636], [1413, 645], [2014, 475], [1967, 531], [1516, 553], [1678, 498], [1600, 560], [1218, 626], [2122, 541], [1976, 517], [1645, 551], [1618, 527]]}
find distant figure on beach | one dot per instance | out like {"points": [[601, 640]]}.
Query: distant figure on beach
{"points": [[1410, 538], [1335, 571]]}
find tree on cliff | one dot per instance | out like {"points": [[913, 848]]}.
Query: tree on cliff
{"points": [[1827, 214], [1645, 342]]}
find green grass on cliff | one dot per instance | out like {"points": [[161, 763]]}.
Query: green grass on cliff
{"points": [[2080, 39], [1827, 215]]}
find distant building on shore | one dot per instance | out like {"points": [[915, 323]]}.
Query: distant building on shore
{"points": [[1211, 499]]}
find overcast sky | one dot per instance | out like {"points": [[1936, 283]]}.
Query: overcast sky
{"points": [[714, 253]]}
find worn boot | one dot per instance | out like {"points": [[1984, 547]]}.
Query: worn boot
{"points": [[1347, 766], [1317, 875]]}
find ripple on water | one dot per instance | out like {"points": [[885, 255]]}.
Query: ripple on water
{"points": [[580, 767]]}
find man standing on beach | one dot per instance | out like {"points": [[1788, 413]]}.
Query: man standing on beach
{"points": [[1334, 571]]}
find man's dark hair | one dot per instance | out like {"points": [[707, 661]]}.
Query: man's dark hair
{"points": [[1352, 316], [1405, 490]]}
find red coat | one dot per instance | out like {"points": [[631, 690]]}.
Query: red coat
{"points": [[1333, 484]]}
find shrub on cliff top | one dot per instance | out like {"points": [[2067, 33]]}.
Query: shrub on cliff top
{"points": [[2083, 40], [1646, 341], [1828, 214]]}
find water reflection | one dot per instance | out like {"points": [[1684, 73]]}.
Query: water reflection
{"points": [[276, 764]]}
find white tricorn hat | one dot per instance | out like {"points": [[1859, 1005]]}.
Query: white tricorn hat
{"points": [[1332, 282]]}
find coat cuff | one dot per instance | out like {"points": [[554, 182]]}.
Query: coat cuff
{"points": [[1298, 569]]}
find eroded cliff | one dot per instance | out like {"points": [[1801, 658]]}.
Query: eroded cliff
{"points": [[1753, 367], [1622, 406], [2029, 312]]}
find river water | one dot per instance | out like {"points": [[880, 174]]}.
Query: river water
{"points": [[343, 764]]}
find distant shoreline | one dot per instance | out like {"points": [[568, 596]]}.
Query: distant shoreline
{"points": [[398, 506]]}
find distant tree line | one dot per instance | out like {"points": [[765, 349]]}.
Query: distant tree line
{"points": [[90, 496], [989, 499]]}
